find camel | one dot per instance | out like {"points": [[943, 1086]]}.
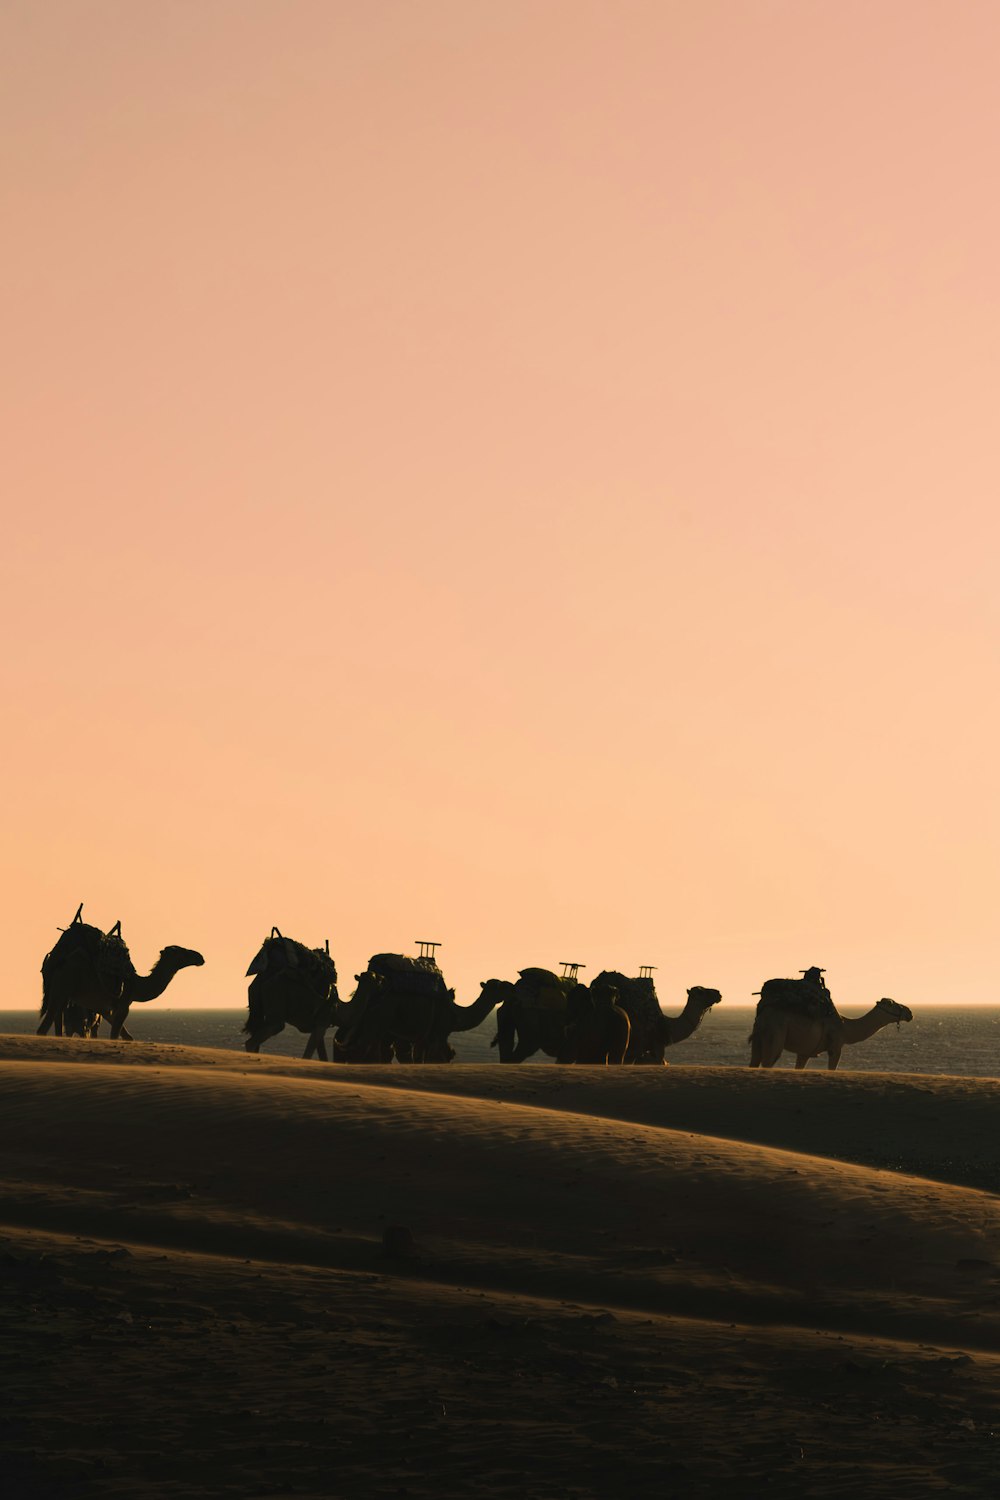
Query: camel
{"points": [[651, 1031], [790, 1019], [89, 976], [597, 1028], [402, 1008], [291, 985], [568, 1021]]}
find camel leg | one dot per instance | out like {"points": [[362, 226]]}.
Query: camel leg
{"points": [[770, 1048], [529, 1040], [755, 1050], [359, 1048], [832, 1059], [506, 1030], [266, 1032], [51, 1019], [801, 1059], [317, 1045], [347, 1051], [416, 1050]]}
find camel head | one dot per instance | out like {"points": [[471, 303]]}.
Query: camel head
{"points": [[702, 999], [581, 1001], [367, 985], [498, 989], [605, 997], [181, 958], [891, 1010]]}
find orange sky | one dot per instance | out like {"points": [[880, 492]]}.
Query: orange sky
{"points": [[522, 474]]}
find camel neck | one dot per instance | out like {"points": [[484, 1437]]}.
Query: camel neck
{"points": [[150, 986], [860, 1028]]}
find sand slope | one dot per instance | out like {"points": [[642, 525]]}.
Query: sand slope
{"points": [[580, 1280]]}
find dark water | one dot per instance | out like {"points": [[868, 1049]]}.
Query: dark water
{"points": [[940, 1039]]}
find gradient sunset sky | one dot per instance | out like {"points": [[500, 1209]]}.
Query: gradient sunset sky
{"points": [[522, 473]]}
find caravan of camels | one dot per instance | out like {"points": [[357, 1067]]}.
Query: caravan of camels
{"points": [[402, 1009]]}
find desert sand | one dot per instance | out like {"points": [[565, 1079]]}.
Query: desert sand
{"points": [[233, 1275]]}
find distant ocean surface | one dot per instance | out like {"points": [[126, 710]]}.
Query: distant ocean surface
{"points": [[940, 1039]]}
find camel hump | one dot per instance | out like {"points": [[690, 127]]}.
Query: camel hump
{"points": [[639, 988], [420, 976], [636, 996], [539, 977], [80, 940], [272, 954], [279, 955], [610, 979], [540, 989], [803, 996], [322, 956]]}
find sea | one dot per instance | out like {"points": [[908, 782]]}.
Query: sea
{"points": [[962, 1039]]}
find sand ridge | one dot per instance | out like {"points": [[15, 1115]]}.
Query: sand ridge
{"points": [[935, 1126], [146, 1169]]}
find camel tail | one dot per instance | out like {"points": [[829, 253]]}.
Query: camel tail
{"points": [[495, 1040]]}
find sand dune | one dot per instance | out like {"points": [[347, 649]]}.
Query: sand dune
{"points": [[566, 1274]]}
